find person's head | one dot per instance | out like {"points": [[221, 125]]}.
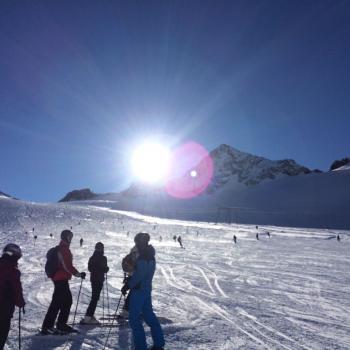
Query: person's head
{"points": [[141, 240], [13, 251], [67, 235], [99, 247]]}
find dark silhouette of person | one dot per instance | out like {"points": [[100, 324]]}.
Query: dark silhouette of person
{"points": [[257, 236], [98, 267], [180, 241], [338, 237], [11, 294], [81, 242], [51, 235], [174, 238], [268, 234], [234, 239]]}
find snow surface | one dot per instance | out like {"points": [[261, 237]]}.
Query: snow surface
{"points": [[287, 292]]}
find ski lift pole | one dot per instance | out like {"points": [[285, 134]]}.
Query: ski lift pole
{"points": [[114, 317]]}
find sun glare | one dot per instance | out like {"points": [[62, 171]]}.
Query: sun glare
{"points": [[150, 162]]}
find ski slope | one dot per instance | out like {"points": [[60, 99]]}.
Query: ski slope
{"points": [[289, 292]]}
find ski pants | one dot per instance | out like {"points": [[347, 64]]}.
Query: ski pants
{"points": [[4, 330], [96, 287], [141, 303], [61, 303]]}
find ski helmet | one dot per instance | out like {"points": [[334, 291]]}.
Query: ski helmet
{"points": [[13, 250], [99, 247], [142, 239], [67, 235]]}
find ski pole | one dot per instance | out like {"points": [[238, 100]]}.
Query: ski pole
{"points": [[103, 303], [19, 329], [76, 307], [114, 316], [107, 295]]}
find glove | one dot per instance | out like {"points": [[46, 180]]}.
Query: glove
{"points": [[82, 275], [125, 288]]}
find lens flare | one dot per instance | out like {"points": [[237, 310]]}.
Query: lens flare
{"points": [[191, 170]]}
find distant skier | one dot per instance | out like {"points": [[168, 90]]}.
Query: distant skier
{"points": [[35, 238], [62, 297], [140, 285], [338, 237], [268, 234], [51, 235], [175, 238], [257, 236], [257, 227], [33, 229], [180, 241], [81, 242], [10, 288], [234, 239], [98, 267], [197, 233]]}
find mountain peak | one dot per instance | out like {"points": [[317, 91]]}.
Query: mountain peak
{"points": [[78, 195], [231, 164]]}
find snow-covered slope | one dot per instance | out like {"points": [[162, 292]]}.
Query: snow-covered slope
{"points": [[288, 292]]}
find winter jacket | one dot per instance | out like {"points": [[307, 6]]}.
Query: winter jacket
{"points": [[97, 266], [145, 267], [66, 268], [10, 287]]}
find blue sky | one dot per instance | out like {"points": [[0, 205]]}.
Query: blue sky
{"points": [[83, 82]]}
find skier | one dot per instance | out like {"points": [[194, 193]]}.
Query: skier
{"points": [[257, 236], [98, 267], [35, 238], [10, 288], [268, 234], [180, 241], [81, 242], [338, 237], [50, 235], [62, 297], [140, 285], [234, 239], [174, 238]]}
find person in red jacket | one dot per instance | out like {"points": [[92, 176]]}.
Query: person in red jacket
{"points": [[62, 296], [10, 288]]}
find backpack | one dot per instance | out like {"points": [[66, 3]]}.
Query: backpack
{"points": [[129, 263], [52, 262]]}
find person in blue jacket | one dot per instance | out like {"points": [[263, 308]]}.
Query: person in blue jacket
{"points": [[140, 285]]}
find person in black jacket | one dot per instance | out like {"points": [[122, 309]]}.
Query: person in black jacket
{"points": [[98, 267], [11, 294]]}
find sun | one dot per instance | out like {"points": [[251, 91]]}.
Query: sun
{"points": [[150, 162]]}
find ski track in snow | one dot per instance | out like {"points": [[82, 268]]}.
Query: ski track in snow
{"points": [[289, 292]]}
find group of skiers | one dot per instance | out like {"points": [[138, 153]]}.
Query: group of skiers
{"points": [[139, 267]]}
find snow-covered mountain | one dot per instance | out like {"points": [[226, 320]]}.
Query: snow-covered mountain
{"points": [[341, 164], [2, 194], [249, 189], [232, 165], [78, 195]]}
